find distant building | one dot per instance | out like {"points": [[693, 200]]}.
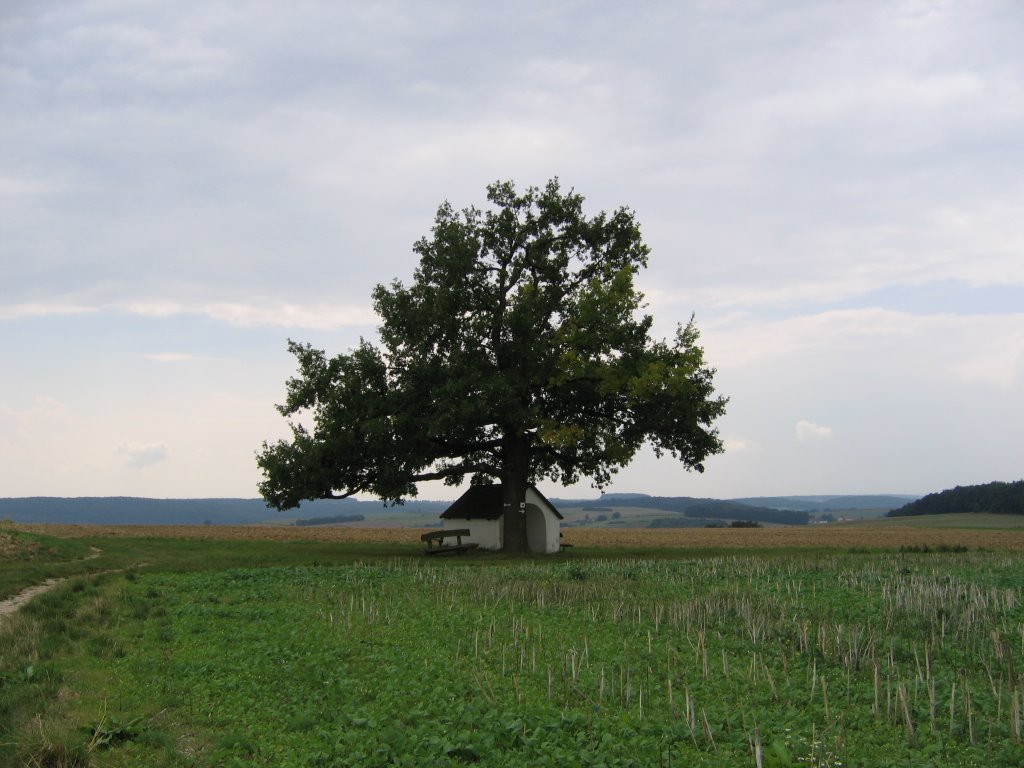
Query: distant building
{"points": [[481, 510]]}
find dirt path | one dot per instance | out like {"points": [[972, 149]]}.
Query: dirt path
{"points": [[11, 604]]}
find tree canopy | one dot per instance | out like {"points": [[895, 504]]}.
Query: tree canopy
{"points": [[998, 498], [520, 351]]}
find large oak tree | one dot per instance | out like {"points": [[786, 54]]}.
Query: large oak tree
{"points": [[520, 351]]}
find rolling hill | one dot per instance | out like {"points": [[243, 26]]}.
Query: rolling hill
{"points": [[125, 510]]}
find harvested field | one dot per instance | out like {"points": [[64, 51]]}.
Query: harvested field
{"points": [[811, 537], [887, 536], [236, 532]]}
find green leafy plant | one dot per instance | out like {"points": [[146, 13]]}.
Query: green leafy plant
{"points": [[110, 731]]}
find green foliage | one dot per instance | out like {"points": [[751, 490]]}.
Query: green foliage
{"points": [[519, 352], [111, 731], [992, 498]]}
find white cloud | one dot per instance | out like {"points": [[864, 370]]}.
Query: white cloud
{"points": [[808, 431], [995, 361], [13, 187], [738, 444], [142, 455], [39, 445], [171, 357], [43, 309], [279, 315], [311, 316], [41, 409], [946, 342]]}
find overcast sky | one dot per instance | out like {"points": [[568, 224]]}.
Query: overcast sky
{"points": [[836, 189]]}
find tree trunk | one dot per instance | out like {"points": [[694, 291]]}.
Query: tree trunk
{"points": [[514, 478]]}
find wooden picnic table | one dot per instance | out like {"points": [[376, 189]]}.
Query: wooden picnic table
{"points": [[437, 545]]}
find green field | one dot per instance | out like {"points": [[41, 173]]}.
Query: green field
{"points": [[631, 517], [262, 654]]}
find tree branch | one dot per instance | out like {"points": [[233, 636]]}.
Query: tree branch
{"points": [[455, 471]]}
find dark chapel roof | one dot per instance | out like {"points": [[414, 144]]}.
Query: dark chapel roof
{"points": [[484, 502]]}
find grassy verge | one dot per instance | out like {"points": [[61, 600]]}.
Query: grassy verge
{"points": [[30, 558], [33, 558]]}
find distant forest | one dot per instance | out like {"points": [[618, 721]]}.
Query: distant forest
{"points": [[993, 498], [332, 520], [714, 509]]}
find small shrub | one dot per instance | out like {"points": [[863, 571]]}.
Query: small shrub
{"points": [[235, 742], [576, 572], [300, 723], [54, 752], [110, 731], [155, 739]]}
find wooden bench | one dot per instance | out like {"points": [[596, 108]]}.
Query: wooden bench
{"points": [[436, 544]]}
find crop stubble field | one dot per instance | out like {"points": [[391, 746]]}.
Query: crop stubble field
{"points": [[814, 536], [844, 652]]}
